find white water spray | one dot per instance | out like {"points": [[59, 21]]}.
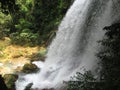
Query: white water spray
{"points": [[74, 47]]}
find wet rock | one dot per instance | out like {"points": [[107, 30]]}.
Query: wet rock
{"points": [[28, 87], [30, 68], [10, 80]]}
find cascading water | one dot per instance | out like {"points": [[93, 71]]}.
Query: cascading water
{"points": [[74, 47]]}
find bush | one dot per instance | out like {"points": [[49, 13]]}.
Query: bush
{"points": [[24, 38], [4, 24], [109, 56], [81, 81], [85, 81]]}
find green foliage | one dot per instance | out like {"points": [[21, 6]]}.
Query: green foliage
{"points": [[4, 24], [23, 24], [110, 57], [8, 6], [49, 14], [22, 33], [34, 20], [82, 82], [24, 38]]}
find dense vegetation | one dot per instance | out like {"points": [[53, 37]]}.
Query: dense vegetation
{"points": [[110, 57], [31, 22], [81, 82]]}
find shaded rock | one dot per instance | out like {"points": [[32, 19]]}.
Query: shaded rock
{"points": [[2, 84], [28, 87], [10, 80], [30, 68]]}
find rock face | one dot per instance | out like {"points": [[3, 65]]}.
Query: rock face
{"points": [[10, 80], [2, 84]]}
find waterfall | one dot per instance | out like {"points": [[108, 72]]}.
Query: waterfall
{"points": [[74, 46]]}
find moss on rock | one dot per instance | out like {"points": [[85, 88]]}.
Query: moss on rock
{"points": [[10, 80], [30, 68]]}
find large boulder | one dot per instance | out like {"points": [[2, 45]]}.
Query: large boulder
{"points": [[30, 68]]}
